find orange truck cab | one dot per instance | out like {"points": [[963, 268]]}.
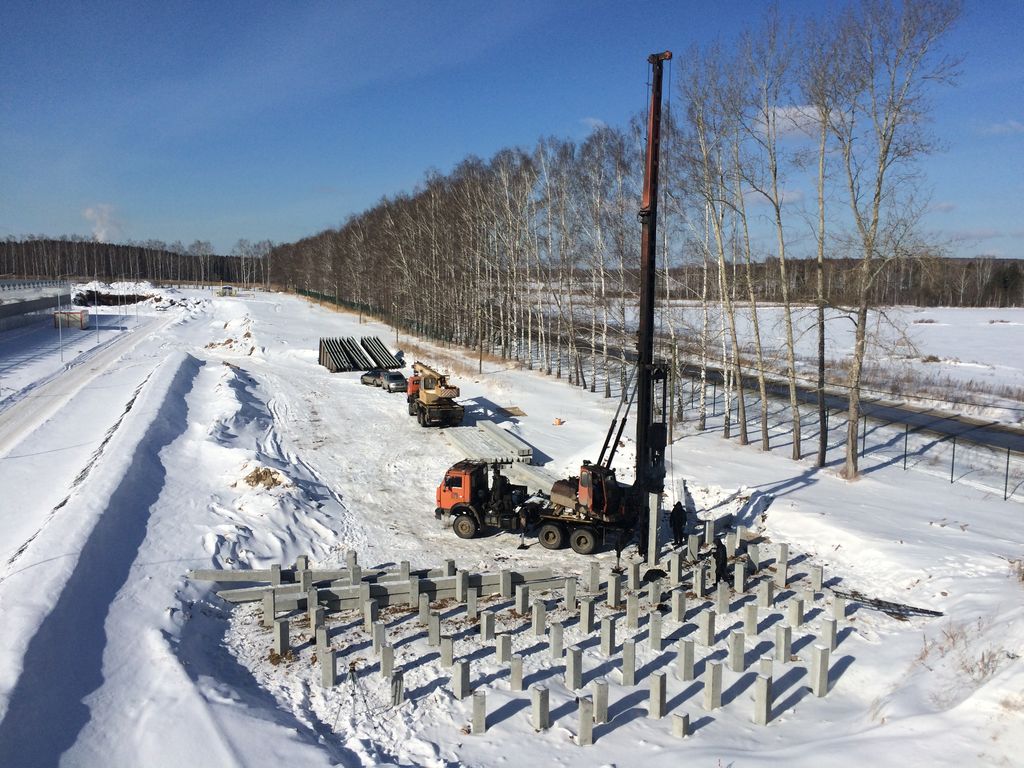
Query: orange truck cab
{"points": [[466, 497], [458, 485], [412, 393]]}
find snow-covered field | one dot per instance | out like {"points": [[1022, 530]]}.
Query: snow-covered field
{"points": [[124, 467], [966, 360]]}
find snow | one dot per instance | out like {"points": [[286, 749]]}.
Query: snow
{"points": [[967, 359], [128, 466]]}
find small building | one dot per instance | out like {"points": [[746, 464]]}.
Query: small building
{"points": [[71, 318]]}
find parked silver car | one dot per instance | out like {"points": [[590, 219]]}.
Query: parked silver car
{"points": [[372, 377], [393, 381]]}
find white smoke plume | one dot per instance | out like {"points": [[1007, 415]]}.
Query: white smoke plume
{"points": [[104, 224]]}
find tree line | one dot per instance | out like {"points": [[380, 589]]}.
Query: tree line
{"points": [[87, 259], [535, 251], [925, 281]]}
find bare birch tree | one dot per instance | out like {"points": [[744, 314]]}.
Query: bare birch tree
{"points": [[877, 123]]}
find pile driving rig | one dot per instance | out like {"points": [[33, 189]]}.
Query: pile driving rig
{"points": [[594, 506]]}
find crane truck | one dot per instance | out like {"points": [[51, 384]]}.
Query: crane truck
{"points": [[431, 399], [593, 505], [582, 511]]}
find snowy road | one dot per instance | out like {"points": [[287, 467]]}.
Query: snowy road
{"points": [[46, 398]]}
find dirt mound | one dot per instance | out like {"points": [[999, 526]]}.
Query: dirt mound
{"points": [[265, 476]]}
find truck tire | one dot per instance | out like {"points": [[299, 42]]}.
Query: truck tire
{"points": [[465, 526], [583, 540], [551, 536], [422, 417]]}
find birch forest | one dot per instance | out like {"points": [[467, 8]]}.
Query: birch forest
{"points": [[789, 175]]}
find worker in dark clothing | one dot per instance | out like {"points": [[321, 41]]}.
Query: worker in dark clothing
{"points": [[641, 533], [677, 519], [720, 561], [497, 485], [620, 544], [499, 492]]}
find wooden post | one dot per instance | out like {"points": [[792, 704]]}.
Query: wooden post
{"points": [[1006, 480]]}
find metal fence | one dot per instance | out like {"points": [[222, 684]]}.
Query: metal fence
{"points": [[882, 442]]}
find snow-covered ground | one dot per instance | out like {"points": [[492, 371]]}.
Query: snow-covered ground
{"points": [[965, 360], [124, 467]]}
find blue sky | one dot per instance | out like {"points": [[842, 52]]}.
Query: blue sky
{"points": [[222, 120]]}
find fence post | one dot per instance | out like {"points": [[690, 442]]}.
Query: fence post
{"points": [[906, 435], [952, 463], [1006, 480]]}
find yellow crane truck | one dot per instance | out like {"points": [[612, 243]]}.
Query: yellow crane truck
{"points": [[431, 399]]}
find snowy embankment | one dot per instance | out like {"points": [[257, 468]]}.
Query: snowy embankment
{"points": [[240, 451]]}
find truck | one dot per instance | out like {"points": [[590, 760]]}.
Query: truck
{"points": [[431, 398], [582, 511], [472, 503]]}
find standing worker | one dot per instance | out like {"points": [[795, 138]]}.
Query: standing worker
{"points": [[642, 533], [720, 561], [677, 519]]}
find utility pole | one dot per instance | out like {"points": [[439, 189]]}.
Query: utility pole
{"points": [[650, 436], [60, 322]]}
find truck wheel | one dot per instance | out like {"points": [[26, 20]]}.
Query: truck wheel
{"points": [[583, 541], [465, 526], [422, 418], [551, 536]]}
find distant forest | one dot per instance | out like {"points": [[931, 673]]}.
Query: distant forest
{"points": [[158, 262], [923, 281]]}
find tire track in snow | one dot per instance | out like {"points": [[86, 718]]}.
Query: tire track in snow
{"points": [[47, 709], [79, 479]]}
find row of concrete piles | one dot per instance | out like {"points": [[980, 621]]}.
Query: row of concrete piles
{"points": [[751, 604], [710, 628]]}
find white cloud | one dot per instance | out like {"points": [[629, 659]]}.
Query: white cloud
{"points": [[1005, 128], [977, 234], [944, 207], [105, 225], [790, 196], [593, 123], [796, 120]]}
